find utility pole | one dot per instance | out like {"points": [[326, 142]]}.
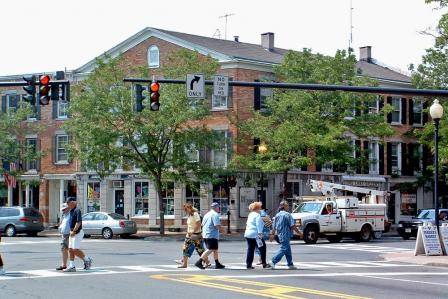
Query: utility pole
{"points": [[226, 16]]}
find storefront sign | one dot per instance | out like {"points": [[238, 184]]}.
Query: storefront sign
{"points": [[428, 242], [408, 198], [443, 230], [247, 196]]}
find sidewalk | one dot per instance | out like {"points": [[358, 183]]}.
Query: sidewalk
{"points": [[409, 257]]}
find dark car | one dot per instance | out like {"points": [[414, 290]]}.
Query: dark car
{"points": [[409, 228], [14, 220]]}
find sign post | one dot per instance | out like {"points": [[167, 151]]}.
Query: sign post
{"points": [[195, 85]]}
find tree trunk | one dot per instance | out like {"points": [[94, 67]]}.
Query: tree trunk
{"points": [[285, 184], [158, 182]]}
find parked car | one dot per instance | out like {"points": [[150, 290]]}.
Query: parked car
{"points": [[14, 220], [107, 225], [409, 228]]}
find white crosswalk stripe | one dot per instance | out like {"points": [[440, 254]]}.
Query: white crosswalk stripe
{"points": [[361, 247], [108, 270]]}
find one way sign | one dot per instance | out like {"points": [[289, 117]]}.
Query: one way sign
{"points": [[195, 86]]}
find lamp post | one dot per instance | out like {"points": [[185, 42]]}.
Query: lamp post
{"points": [[436, 111], [262, 149]]}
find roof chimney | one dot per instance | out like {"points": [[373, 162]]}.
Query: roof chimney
{"points": [[236, 38], [267, 41], [365, 54]]}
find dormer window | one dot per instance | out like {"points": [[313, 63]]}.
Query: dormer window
{"points": [[153, 57]]}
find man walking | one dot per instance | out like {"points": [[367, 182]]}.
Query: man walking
{"points": [[283, 226], [64, 229], [76, 236], [210, 232]]}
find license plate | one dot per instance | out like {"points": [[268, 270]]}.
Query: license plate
{"points": [[407, 230], [34, 221]]}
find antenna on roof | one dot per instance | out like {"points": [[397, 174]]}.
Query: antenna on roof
{"points": [[217, 34], [226, 16], [350, 41]]}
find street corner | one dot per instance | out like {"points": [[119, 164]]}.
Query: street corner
{"points": [[410, 258]]}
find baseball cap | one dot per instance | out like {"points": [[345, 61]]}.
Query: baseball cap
{"points": [[71, 199], [215, 205], [64, 206]]}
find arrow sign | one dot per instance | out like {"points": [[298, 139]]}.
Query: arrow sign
{"points": [[196, 91]]}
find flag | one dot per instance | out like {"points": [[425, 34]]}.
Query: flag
{"points": [[10, 180]]}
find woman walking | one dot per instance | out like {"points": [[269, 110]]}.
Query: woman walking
{"points": [[194, 234], [254, 235]]}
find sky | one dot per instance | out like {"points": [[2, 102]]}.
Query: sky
{"points": [[45, 36]]}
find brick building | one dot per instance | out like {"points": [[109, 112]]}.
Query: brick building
{"points": [[49, 181]]}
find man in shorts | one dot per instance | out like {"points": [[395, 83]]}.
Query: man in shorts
{"points": [[64, 229], [210, 232], [76, 236]]}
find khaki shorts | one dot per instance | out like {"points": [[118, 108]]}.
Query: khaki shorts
{"points": [[75, 241]]}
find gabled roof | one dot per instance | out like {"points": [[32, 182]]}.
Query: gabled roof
{"points": [[375, 71]]}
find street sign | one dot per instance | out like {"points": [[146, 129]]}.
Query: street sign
{"points": [[221, 86], [428, 241], [195, 84]]}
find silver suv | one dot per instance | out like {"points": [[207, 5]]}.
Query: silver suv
{"points": [[15, 220]]}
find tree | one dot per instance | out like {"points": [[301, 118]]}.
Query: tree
{"points": [[107, 131], [305, 127]]}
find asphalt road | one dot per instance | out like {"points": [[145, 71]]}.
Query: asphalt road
{"points": [[145, 269]]}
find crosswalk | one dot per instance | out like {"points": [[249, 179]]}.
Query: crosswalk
{"points": [[133, 269], [361, 247]]}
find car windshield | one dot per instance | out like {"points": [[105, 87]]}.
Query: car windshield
{"points": [[309, 207], [116, 216], [426, 214]]}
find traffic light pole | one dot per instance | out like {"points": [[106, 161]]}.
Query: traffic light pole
{"points": [[13, 84], [322, 87]]}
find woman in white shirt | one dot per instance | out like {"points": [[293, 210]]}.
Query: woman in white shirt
{"points": [[254, 235], [194, 234]]}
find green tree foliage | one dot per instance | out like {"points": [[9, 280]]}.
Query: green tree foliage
{"points": [[108, 133], [303, 127]]}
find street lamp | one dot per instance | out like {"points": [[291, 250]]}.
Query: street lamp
{"points": [[436, 111], [262, 149]]}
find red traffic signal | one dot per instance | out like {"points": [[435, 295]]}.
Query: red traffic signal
{"points": [[44, 80], [154, 96], [44, 89]]}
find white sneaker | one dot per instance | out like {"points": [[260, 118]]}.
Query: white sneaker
{"points": [[70, 269], [272, 265], [2, 272]]}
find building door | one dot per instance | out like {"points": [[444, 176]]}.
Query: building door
{"points": [[119, 201]]}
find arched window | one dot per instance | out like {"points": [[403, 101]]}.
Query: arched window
{"points": [[153, 57]]}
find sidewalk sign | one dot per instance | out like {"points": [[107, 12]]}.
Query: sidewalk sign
{"points": [[443, 230], [428, 241], [247, 196]]}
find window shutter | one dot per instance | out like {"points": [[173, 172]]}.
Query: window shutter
{"points": [[404, 159], [54, 106], [358, 155], [411, 112], [425, 112], [257, 97], [230, 96], [389, 115], [389, 158], [3, 104], [55, 150], [403, 110], [381, 158], [229, 144], [380, 103], [69, 157], [38, 147], [413, 161], [366, 157]]}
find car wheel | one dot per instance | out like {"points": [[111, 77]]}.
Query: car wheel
{"points": [[107, 233], [334, 239], [310, 234], [10, 231], [365, 234], [377, 234]]}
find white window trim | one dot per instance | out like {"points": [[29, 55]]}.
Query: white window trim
{"points": [[374, 147], [59, 116], [226, 136], [134, 197], [60, 162], [398, 170], [421, 113], [152, 64], [222, 107], [400, 111]]}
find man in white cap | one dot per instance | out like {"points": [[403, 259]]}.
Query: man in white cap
{"points": [[210, 232], [64, 229]]}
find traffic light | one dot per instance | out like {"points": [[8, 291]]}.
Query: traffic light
{"points": [[154, 96], [30, 89], [44, 90], [139, 97]]}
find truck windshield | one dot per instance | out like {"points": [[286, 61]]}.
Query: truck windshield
{"points": [[309, 207], [426, 214]]}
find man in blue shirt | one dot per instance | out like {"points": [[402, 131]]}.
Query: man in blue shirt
{"points": [[283, 226], [210, 232]]}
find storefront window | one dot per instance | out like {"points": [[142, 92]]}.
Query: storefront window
{"points": [[168, 198], [220, 196], [408, 206], [192, 195], [93, 196], [141, 198]]}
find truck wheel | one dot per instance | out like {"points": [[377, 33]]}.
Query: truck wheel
{"points": [[365, 233], [334, 239], [310, 234], [377, 234]]}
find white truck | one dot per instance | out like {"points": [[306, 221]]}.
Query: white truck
{"points": [[340, 216]]}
